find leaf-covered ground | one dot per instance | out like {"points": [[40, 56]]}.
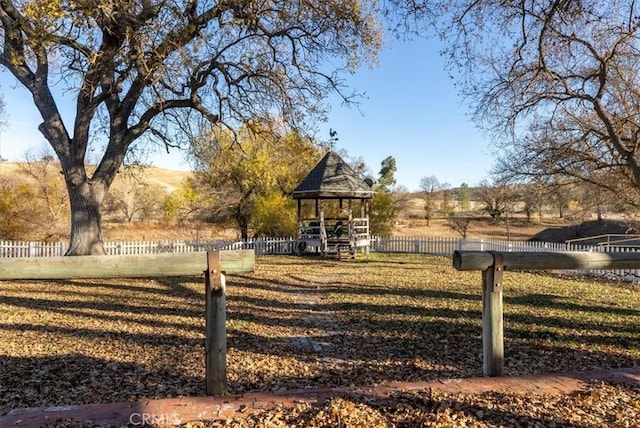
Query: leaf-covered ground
{"points": [[300, 322], [599, 406]]}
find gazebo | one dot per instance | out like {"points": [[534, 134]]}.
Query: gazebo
{"points": [[329, 227]]}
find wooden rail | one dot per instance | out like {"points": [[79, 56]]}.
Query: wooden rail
{"points": [[213, 264], [494, 264], [136, 266], [482, 260]]}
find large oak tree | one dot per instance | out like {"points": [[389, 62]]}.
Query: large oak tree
{"points": [[145, 71]]}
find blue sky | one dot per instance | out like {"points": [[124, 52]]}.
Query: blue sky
{"points": [[411, 112]]}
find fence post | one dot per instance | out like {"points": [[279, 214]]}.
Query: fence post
{"points": [[216, 330], [492, 318]]}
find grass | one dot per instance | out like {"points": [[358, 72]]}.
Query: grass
{"points": [[300, 322]]}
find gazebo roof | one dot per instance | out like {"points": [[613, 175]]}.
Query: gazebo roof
{"points": [[332, 178]]}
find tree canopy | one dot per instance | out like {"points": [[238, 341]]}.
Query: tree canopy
{"points": [[384, 209], [554, 82], [430, 185], [159, 71], [253, 174], [387, 173]]}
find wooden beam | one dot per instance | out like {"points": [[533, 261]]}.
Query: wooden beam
{"points": [[130, 266], [482, 260]]}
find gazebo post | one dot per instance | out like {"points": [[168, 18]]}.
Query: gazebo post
{"points": [[299, 217]]}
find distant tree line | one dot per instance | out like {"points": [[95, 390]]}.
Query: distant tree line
{"points": [[241, 181], [244, 182]]}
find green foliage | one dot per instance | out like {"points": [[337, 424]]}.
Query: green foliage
{"points": [[387, 171], [384, 211], [167, 70], [274, 215], [186, 203], [464, 197]]}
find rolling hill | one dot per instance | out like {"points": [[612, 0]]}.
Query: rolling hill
{"points": [[168, 179]]}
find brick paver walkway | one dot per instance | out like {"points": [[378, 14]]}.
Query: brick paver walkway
{"points": [[307, 300], [173, 411]]}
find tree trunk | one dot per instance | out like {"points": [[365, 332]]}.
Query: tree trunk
{"points": [[86, 220], [244, 228], [243, 213]]}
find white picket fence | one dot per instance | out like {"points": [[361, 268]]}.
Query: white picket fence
{"points": [[436, 246], [423, 245], [55, 249], [446, 246]]}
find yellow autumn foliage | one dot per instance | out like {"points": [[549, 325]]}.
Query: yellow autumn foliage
{"points": [[15, 210], [253, 173], [37, 10]]}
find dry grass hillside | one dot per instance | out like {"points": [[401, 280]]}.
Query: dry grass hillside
{"points": [[168, 179], [481, 227], [162, 181]]}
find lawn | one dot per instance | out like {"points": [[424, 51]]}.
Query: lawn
{"points": [[302, 322]]}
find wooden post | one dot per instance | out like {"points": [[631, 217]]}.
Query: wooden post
{"points": [[216, 330], [492, 318], [494, 264]]}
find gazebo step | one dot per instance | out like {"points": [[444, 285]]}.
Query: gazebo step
{"points": [[340, 250]]}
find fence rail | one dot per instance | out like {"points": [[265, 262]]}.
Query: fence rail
{"points": [[420, 245]]}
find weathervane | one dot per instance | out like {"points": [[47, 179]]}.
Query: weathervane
{"points": [[333, 137]]}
